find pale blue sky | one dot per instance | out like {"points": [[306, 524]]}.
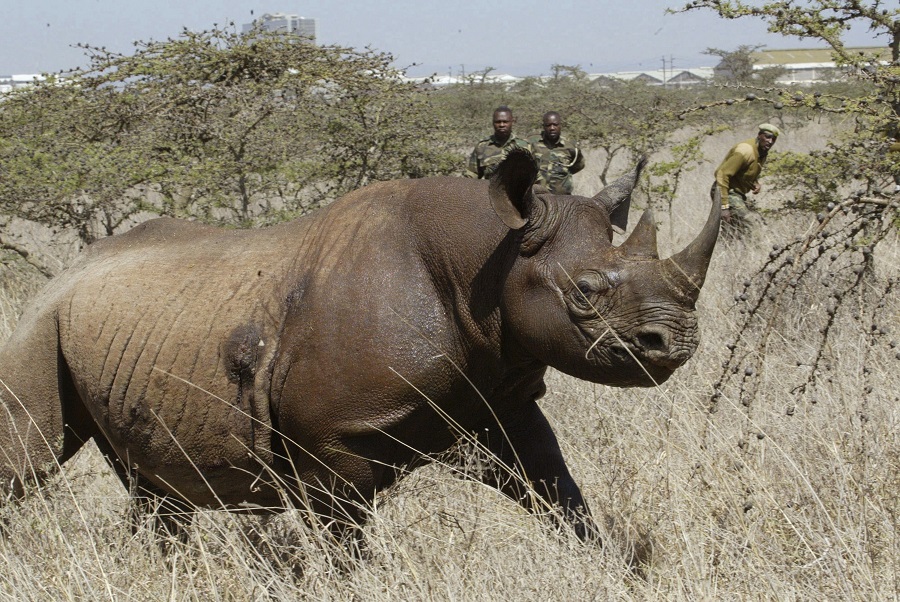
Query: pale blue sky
{"points": [[520, 37]]}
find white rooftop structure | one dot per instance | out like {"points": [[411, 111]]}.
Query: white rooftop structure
{"points": [[675, 78], [285, 23], [9, 82]]}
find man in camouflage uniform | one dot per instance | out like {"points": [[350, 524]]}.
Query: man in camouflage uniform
{"points": [[558, 159], [491, 151], [738, 174]]}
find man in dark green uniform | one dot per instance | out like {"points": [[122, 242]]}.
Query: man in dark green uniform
{"points": [[738, 175], [558, 158], [490, 152]]}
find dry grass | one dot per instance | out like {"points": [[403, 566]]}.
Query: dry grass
{"points": [[775, 498]]}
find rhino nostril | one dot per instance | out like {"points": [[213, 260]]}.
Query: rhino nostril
{"points": [[652, 340]]}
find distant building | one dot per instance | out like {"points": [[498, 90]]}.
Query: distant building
{"points": [[284, 23], [669, 78], [439, 81], [808, 65], [687, 78], [10, 82]]}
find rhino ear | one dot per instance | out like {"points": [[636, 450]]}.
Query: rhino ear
{"points": [[616, 198], [510, 188]]}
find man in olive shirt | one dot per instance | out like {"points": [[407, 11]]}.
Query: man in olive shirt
{"points": [[491, 151], [739, 174], [558, 159]]}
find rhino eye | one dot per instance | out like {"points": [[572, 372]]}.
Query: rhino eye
{"points": [[588, 286]]}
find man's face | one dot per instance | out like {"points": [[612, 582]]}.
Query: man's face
{"points": [[552, 128], [766, 140], [502, 124]]}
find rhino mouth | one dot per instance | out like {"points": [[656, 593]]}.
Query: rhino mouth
{"points": [[647, 369], [628, 363]]}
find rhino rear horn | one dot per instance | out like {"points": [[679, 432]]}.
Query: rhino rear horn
{"points": [[510, 187], [616, 198], [688, 267], [642, 240]]}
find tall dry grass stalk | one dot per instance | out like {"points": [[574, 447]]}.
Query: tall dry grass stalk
{"points": [[771, 498]]}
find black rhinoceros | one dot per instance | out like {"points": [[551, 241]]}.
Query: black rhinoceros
{"points": [[328, 355]]}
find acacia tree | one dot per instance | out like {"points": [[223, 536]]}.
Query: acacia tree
{"points": [[468, 108], [56, 143], [827, 21], [370, 133], [215, 125]]}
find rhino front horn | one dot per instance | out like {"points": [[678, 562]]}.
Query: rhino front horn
{"points": [[688, 267]]}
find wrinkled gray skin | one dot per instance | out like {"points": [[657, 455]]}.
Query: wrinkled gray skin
{"points": [[348, 346]]}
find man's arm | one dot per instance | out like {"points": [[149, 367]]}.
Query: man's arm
{"points": [[473, 170], [578, 163], [727, 170]]}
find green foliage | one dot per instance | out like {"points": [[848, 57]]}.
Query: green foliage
{"points": [[469, 109], [372, 133], [824, 20], [54, 148], [872, 102], [824, 177]]}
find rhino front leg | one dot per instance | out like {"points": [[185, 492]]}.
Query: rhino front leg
{"points": [[531, 470], [527, 446]]}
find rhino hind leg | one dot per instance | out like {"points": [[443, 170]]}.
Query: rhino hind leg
{"points": [[42, 419], [169, 516]]}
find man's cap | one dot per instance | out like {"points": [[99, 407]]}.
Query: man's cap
{"points": [[768, 127]]}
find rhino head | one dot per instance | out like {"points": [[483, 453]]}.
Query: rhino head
{"points": [[616, 315]]}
